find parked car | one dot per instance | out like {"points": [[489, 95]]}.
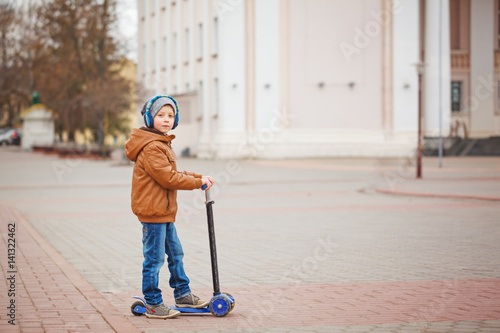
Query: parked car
{"points": [[16, 137], [10, 136]]}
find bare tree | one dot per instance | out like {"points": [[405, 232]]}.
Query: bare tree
{"points": [[68, 53], [14, 93]]}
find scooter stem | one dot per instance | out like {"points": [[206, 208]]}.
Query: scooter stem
{"points": [[211, 237]]}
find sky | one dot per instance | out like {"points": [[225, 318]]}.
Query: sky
{"points": [[127, 26]]}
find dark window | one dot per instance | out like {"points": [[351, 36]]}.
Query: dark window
{"points": [[456, 96]]}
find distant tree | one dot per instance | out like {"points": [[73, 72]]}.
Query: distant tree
{"points": [[78, 68], [14, 79], [67, 52]]}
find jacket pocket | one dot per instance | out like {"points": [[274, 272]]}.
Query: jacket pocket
{"points": [[168, 200]]}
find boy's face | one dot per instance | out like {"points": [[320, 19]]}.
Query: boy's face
{"points": [[164, 119]]}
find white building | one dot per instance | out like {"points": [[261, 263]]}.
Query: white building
{"points": [[318, 78], [38, 127]]}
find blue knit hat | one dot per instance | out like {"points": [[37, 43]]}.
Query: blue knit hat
{"points": [[157, 105]]}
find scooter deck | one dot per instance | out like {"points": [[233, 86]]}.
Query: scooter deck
{"points": [[220, 305], [141, 309], [191, 310]]}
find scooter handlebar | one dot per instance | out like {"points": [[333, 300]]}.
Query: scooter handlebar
{"points": [[207, 193]]}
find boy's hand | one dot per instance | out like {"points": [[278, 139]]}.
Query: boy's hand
{"points": [[207, 180]]}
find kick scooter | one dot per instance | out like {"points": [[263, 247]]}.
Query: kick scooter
{"points": [[221, 303]]}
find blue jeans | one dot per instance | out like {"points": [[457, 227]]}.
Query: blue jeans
{"points": [[159, 239]]}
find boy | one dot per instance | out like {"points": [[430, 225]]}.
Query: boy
{"points": [[155, 182]]}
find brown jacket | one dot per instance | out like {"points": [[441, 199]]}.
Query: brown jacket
{"points": [[156, 180]]}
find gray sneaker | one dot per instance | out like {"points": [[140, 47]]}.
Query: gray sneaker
{"points": [[161, 312], [190, 301]]}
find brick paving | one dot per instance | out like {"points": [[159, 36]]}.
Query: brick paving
{"points": [[304, 246], [49, 295], [342, 304]]}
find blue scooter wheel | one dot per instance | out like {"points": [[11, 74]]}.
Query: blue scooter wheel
{"points": [[220, 305], [232, 299], [137, 306]]}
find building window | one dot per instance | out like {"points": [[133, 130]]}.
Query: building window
{"points": [[165, 52], [460, 24], [200, 99], [454, 25], [215, 37], [456, 96], [144, 58], [186, 37], [216, 96], [200, 40], [153, 56], [174, 51]]}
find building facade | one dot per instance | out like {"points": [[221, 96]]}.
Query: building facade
{"points": [[322, 78]]}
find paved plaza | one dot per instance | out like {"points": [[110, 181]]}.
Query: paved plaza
{"points": [[323, 245]]}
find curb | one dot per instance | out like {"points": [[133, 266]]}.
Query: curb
{"points": [[117, 321], [436, 195]]}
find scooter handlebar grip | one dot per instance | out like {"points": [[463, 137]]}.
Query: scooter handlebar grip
{"points": [[204, 187]]}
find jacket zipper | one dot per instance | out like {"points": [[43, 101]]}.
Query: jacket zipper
{"points": [[168, 201]]}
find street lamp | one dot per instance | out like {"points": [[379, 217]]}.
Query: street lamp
{"points": [[420, 71]]}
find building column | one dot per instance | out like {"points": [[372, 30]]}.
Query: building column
{"points": [[389, 57], [437, 77], [205, 141], [250, 66], [482, 65], [193, 25], [405, 30], [179, 46], [284, 56]]}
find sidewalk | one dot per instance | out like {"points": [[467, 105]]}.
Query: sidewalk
{"points": [[459, 178], [303, 246], [49, 294]]}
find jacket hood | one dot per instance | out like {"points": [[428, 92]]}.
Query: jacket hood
{"points": [[141, 137]]}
